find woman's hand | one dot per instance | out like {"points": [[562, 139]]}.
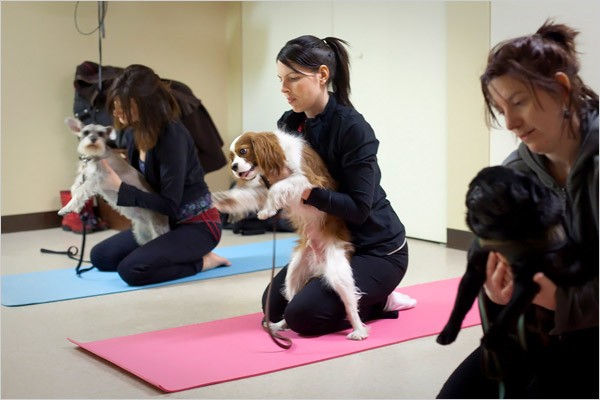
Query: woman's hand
{"points": [[499, 284], [112, 181], [499, 281]]}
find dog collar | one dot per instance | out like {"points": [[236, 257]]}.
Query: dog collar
{"points": [[553, 239], [85, 159]]}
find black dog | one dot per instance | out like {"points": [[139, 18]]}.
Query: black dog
{"points": [[513, 214]]}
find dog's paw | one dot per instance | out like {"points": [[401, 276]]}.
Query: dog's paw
{"points": [[359, 334], [224, 202], [278, 326], [64, 211], [265, 213], [447, 336]]}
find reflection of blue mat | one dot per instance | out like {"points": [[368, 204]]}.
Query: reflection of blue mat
{"points": [[64, 284]]}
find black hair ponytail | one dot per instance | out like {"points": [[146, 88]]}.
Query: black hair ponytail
{"points": [[311, 52]]}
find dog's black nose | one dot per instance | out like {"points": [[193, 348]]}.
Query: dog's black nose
{"points": [[234, 167], [93, 139]]}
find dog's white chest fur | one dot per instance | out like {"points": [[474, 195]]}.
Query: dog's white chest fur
{"points": [[292, 147]]}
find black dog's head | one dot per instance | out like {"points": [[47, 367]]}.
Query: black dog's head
{"points": [[505, 204]]}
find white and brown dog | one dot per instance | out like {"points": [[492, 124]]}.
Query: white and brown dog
{"points": [[274, 169], [145, 224]]}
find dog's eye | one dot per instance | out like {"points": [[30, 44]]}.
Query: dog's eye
{"points": [[85, 132], [243, 152]]}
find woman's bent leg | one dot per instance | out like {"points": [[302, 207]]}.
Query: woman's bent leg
{"points": [[107, 254], [174, 255], [317, 309], [376, 278], [468, 382], [277, 301]]}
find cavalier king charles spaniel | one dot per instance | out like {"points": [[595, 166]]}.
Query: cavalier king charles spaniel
{"points": [[273, 170]]}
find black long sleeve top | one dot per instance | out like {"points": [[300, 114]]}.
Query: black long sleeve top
{"points": [[173, 170], [348, 146]]}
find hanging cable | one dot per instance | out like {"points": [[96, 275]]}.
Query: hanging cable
{"points": [[101, 15], [102, 8], [102, 11]]}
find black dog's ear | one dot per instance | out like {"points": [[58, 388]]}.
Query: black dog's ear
{"points": [[544, 201], [538, 193], [520, 193], [550, 208]]}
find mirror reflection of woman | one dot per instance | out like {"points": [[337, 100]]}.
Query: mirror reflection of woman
{"points": [[161, 148]]}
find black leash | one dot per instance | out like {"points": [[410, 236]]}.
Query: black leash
{"points": [[72, 250], [491, 362], [281, 341]]}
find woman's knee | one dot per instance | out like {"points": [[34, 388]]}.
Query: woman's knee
{"points": [[107, 254], [100, 260], [134, 274], [311, 318], [301, 320]]}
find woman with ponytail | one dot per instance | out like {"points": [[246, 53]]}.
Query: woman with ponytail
{"points": [[533, 83], [307, 67]]}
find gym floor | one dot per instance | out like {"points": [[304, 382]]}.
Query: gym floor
{"points": [[38, 362]]}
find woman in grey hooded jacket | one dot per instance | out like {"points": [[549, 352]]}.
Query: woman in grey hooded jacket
{"points": [[533, 83]]}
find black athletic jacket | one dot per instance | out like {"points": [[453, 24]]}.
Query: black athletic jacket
{"points": [[347, 144], [173, 171]]}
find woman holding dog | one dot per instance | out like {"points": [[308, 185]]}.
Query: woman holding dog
{"points": [[307, 66], [160, 147], [533, 82]]}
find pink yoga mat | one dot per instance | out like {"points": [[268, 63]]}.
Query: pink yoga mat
{"points": [[218, 351]]}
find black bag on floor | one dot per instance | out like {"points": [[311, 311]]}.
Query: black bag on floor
{"points": [[251, 225]]}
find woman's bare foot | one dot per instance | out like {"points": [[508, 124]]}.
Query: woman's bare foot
{"points": [[213, 260]]}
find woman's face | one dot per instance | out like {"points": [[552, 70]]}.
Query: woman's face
{"points": [[540, 123], [120, 114], [303, 90]]}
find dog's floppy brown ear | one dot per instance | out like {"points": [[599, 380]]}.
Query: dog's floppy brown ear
{"points": [[268, 152], [74, 124]]}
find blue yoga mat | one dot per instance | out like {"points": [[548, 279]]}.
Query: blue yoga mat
{"points": [[64, 284]]}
